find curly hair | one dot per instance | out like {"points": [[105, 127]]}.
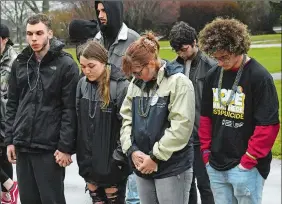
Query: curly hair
{"points": [[229, 35], [182, 34]]}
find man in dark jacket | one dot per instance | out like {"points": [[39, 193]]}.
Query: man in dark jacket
{"points": [[41, 118], [115, 36], [183, 39]]}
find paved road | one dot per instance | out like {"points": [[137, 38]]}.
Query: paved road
{"points": [[276, 76], [74, 185]]}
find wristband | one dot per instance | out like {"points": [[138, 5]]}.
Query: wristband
{"points": [[206, 151], [251, 156]]}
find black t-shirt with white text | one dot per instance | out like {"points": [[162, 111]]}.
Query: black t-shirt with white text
{"points": [[255, 103]]}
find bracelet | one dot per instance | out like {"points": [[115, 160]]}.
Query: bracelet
{"points": [[251, 156], [206, 151]]}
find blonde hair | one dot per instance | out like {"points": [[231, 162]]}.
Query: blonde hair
{"points": [[93, 50]]}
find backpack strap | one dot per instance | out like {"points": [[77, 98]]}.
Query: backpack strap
{"points": [[83, 85], [113, 91]]}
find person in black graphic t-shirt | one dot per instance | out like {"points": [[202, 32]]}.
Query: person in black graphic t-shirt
{"points": [[239, 116]]}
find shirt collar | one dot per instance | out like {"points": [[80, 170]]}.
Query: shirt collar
{"points": [[121, 36]]}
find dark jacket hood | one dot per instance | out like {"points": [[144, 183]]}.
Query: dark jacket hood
{"points": [[173, 67], [114, 11], [116, 73], [81, 30]]}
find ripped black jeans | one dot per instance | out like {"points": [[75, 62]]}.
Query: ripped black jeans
{"points": [[102, 195]]}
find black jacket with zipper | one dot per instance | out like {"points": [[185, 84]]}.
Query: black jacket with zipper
{"points": [[200, 66], [41, 101], [99, 155]]}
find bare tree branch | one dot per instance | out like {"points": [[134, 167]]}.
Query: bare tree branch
{"points": [[32, 5]]}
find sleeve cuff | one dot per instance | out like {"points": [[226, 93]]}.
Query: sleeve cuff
{"points": [[131, 149], [8, 141], [154, 158], [248, 162], [206, 156], [65, 149]]}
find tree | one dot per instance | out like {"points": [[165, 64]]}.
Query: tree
{"points": [[34, 6], [60, 23], [16, 12], [259, 16], [151, 15], [197, 14], [83, 9]]}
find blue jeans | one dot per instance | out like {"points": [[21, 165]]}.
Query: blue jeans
{"points": [[236, 186], [132, 196]]}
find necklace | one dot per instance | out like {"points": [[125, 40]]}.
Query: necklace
{"points": [[28, 79], [234, 86], [92, 115], [144, 111]]}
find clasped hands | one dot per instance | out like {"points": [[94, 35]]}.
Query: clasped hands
{"points": [[63, 159], [143, 162]]}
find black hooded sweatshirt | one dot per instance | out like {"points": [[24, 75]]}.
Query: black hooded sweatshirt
{"points": [[114, 11]]}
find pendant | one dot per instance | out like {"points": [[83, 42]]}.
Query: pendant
{"points": [[155, 99]]}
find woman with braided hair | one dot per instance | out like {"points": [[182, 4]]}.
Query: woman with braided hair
{"points": [[158, 116]]}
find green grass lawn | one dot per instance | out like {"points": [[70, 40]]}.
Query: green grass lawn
{"points": [[268, 57], [276, 150], [265, 39], [256, 39]]}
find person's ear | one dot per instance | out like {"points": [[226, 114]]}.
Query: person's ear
{"points": [[50, 34]]}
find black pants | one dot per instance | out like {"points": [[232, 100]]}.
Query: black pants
{"points": [[6, 168], [203, 182], [40, 178], [118, 197]]}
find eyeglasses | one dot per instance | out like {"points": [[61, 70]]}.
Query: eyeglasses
{"points": [[224, 58], [138, 74]]}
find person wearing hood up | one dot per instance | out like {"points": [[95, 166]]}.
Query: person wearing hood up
{"points": [[100, 94], [115, 36], [40, 131], [158, 117]]}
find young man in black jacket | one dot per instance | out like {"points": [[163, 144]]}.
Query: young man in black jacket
{"points": [[183, 39], [41, 118]]}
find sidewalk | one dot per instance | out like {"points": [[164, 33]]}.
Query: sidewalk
{"points": [[276, 76]]}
